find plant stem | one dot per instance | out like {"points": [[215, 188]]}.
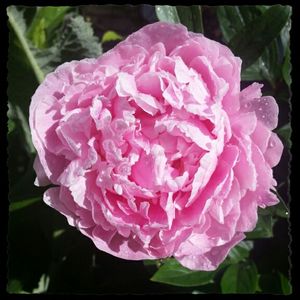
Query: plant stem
{"points": [[37, 70]]}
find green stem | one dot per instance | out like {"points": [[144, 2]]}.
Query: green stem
{"points": [[37, 70]]}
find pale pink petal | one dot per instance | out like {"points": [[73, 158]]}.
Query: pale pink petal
{"points": [[274, 150], [248, 217], [252, 91], [170, 36], [261, 136], [150, 83], [119, 246], [41, 177], [266, 110], [210, 261]]}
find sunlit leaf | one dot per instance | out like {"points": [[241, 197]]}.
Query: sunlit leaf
{"points": [[42, 285], [171, 272], [46, 19], [74, 40], [167, 13], [110, 36], [17, 22]]}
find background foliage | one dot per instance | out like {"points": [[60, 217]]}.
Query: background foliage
{"points": [[48, 256]]}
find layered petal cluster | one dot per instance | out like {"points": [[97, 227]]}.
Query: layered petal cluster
{"points": [[153, 150]]}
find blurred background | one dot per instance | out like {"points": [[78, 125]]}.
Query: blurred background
{"points": [[46, 255]]}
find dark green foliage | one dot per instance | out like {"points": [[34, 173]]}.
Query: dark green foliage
{"points": [[240, 278]]}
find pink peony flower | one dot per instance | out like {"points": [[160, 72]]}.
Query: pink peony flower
{"points": [[153, 150]]}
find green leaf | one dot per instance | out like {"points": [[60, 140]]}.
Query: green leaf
{"points": [[22, 123], [230, 21], [14, 286], [253, 72], [281, 209], [73, 40], [21, 80], [110, 36], [275, 283], [79, 33], [240, 252], [269, 62], [167, 13], [240, 278], [285, 33], [285, 132], [11, 125], [278, 210], [44, 22], [250, 12], [17, 22], [285, 285], [266, 67], [264, 227], [190, 16], [250, 42], [285, 41], [171, 272], [38, 37], [286, 68], [22, 204]]}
